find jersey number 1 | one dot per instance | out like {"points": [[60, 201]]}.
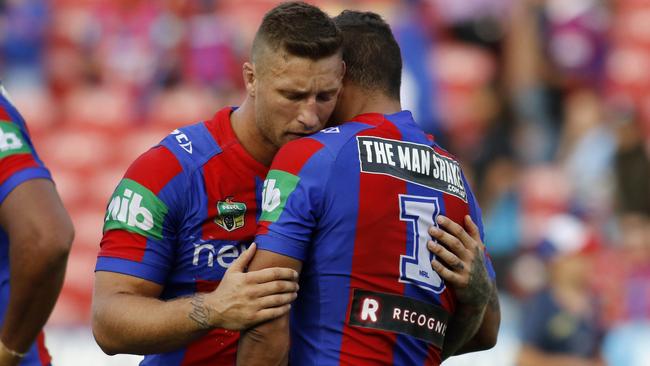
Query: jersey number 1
{"points": [[415, 266]]}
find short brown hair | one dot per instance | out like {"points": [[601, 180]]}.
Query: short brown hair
{"points": [[300, 29], [370, 51]]}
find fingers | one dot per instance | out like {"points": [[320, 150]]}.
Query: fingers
{"points": [[271, 313], [273, 301], [244, 260], [452, 261], [448, 275], [272, 274], [275, 287], [455, 229], [450, 241], [472, 229]]}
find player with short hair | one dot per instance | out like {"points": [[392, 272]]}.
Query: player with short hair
{"points": [[167, 282], [350, 208], [35, 238]]}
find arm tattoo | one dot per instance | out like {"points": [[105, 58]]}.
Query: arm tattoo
{"points": [[200, 313]]}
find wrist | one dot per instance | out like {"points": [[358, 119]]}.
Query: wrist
{"points": [[9, 355], [201, 313]]}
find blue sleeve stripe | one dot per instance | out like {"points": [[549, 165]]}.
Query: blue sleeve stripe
{"points": [[20, 177], [283, 245], [131, 268]]}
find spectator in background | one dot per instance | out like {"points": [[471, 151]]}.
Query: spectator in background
{"points": [[559, 326], [35, 238], [632, 166]]}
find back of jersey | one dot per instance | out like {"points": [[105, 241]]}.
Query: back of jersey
{"points": [[368, 190]]}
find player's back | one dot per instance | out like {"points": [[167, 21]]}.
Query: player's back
{"points": [[368, 293]]}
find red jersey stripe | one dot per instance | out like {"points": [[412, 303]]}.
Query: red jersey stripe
{"points": [[154, 169], [293, 157], [43, 355], [13, 163], [370, 271], [123, 244], [4, 114], [219, 342]]}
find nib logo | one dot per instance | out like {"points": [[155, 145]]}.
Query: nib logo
{"points": [[11, 141], [128, 209], [135, 208], [278, 186], [270, 196]]}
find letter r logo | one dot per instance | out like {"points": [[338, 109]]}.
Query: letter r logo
{"points": [[369, 309]]}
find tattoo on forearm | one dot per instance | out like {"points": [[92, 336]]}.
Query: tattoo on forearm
{"points": [[200, 313], [479, 285]]}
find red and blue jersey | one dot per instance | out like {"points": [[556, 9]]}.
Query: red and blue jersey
{"points": [[18, 163], [182, 213], [354, 203]]}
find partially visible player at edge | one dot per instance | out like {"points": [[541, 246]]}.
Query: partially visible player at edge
{"points": [[350, 207], [187, 208], [35, 238]]}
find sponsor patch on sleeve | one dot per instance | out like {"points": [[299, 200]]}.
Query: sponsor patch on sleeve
{"points": [[399, 314], [135, 208], [11, 140], [278, 186]]}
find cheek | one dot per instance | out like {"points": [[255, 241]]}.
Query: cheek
{"points": [[325, 110]]}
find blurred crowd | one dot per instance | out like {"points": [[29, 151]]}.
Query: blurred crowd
{"points": [[545, 102]]}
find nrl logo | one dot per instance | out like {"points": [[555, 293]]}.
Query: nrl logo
{"points": [[230, 214]]}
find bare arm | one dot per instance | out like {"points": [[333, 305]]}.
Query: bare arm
{"points": [[40, 234], [486, 335], [128, 316], [268, 343], [465, 272]]}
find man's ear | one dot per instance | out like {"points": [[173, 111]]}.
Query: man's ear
{"points": [[345, 67], [250, 79]]}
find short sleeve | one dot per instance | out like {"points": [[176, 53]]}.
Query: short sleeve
{"points": [[142, 216], [18, 159], [292, 198]]}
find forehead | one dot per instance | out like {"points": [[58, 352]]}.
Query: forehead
{"points": [[283, 70]]}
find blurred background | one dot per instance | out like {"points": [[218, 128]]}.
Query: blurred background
{"points": [[545, 102]]}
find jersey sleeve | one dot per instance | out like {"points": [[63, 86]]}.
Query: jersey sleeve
{"points": [[292, 198], [18, 159], [476, 215], [142, 217]]}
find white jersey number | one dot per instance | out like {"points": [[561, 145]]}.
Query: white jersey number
{"points": [[415, 267]]}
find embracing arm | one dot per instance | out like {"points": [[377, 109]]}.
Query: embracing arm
{"points": [[40, 234], [128, 316], [475, 323], [486, 335], [267, 344]]}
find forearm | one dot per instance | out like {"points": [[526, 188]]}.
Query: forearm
{"points": [[128, 323], [266, 344], [486, 335], [36, 280], [463, 326]]}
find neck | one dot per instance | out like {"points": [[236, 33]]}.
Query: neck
{"points": [[369, 102], [249, 136]]}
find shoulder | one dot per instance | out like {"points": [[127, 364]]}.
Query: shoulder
{"points": [[155, 168], [191, 145], [335, 138]]}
